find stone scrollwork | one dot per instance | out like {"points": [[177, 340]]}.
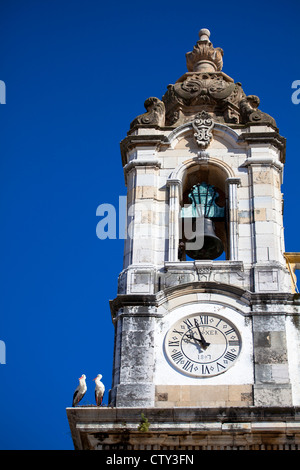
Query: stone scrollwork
{"points": [[202, 125], [202, 87], [155, 114], [250, 113]]}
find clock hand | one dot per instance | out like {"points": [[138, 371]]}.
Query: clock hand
{"points": [[203, 346], [193, 337], [203, 342]]}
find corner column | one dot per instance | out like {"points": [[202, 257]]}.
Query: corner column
{"points": [[133, 375], [174, 206], [232, 184]]}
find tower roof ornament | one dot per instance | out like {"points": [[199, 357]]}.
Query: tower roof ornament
{"points": [[204, 88], [204, 57]]}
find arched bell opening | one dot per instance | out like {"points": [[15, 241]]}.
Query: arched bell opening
{"points": [[203, 216]]}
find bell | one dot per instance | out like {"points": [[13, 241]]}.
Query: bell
{"points": [[212, 246]]}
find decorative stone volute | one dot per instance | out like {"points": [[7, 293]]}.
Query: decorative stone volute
{"points": [[155, 115], [204, 57]]}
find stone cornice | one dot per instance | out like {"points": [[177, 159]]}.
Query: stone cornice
{"points": [[134, 163], [142, 302], [131, 141], [273, 138]]}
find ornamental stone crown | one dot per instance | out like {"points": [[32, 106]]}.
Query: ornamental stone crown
{"points": [[203, 89]]}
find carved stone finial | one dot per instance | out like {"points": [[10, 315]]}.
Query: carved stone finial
{"points": [[204, 57], [204, 34]]}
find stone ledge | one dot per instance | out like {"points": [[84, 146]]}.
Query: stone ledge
{"points": [[189, 414], [249, 428]]}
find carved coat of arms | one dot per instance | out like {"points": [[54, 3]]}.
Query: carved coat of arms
{"points": [[203, 124]]}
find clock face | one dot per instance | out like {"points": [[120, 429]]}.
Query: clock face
{"points": [[203, 345]]}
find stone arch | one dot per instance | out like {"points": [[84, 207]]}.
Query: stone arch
{"points": [[224, 133], [203, 160], [236, 297], [215, 172]]}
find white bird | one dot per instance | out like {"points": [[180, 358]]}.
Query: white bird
{"points": [[99, 390], [80, 390]]}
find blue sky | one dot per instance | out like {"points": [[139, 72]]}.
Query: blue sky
{"points": [[76, 74]]}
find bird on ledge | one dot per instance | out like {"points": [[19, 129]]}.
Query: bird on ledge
{"points": [[80, 390], [99, 390]]}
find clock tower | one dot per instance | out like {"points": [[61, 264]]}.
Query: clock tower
{"points": [[206, 318]]}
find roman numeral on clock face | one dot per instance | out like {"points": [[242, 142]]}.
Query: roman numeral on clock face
{"points": [[178, 332], [188, 323], [205, 370], [230, 356], [177, 356], [228, 332], [188, 366], [203, 319]]}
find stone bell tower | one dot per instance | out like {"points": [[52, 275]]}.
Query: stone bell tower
{"points": [[207, 328]]}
